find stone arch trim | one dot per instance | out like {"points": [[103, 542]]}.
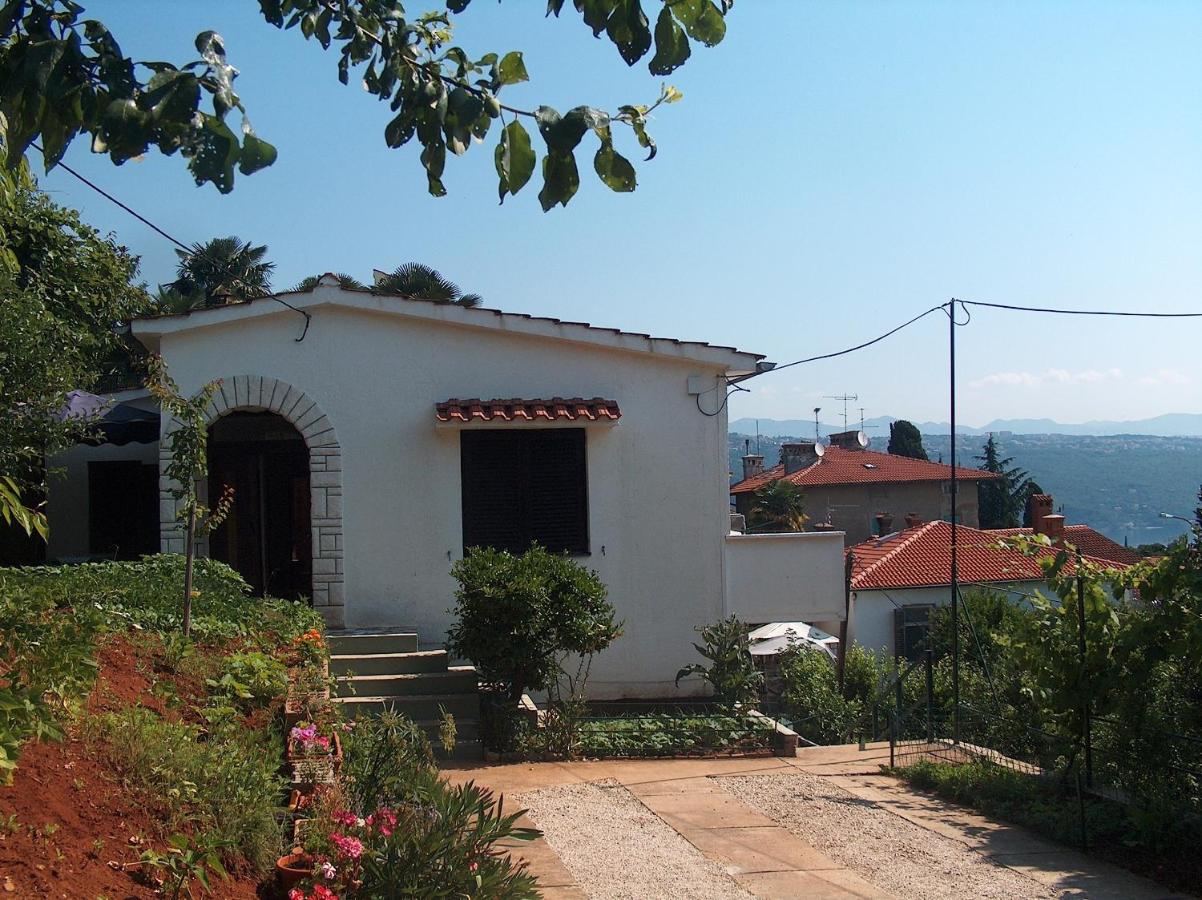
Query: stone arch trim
{"points": [[257, 393]]}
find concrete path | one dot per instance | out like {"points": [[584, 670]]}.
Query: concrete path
{"points": [[769, 861]]}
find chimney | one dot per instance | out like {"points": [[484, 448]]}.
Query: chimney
{"points": [[753, 464], [1038, 506], [884, 523], [1053, 527], [913, 520], [848, 440], [798, 456]]}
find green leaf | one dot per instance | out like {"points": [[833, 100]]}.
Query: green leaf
{"points": [[562, 133], [515, 159], [701, 19], [434, 158], [256, 154], [512, 69], [457, 6], [613, 168], [561, 179], [629, 30], [671, 45]]}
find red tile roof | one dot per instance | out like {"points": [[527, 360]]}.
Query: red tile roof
{"points": [[1085, 539], [555, 409], [838, 465], [921, 557]]}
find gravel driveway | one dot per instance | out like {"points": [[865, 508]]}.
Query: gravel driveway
{"points": [[616, 848], [894, 854]]}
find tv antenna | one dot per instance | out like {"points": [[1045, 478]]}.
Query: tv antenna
{"points": [[845, 398], [817, 436]]}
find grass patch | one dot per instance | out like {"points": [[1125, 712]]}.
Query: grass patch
{"points": [[1120, 833]]}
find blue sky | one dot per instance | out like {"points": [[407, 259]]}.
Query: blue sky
{"points": [[833, 169]]}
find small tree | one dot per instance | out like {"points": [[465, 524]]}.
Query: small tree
{"points": [[779, 507], [906, 440], [731, 670], [532, 621], [188, 443]]}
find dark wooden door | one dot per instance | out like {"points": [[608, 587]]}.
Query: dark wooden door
{"points": [[266, 537]]}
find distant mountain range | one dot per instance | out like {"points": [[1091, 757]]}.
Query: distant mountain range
{"points": [[1169, 425]]}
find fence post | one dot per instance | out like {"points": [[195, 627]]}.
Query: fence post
{"points": [[930, 667], [892, 740], [1081, 811], [1085, 686], [897, 695]]}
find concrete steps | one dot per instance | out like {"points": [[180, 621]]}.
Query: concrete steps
{"points": [[389, 663], [379, 669]]}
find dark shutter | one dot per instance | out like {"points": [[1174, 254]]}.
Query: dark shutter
{"points": [[523, 486]]}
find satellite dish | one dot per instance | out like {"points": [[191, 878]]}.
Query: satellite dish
{"points": [[819, 450], [862, 439]]}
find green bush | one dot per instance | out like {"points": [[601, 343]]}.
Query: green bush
{"points": [[226, 785], [249, 679], [669, 734], [520, 620], [383, 757]]}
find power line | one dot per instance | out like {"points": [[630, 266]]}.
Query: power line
{"points": [[875, 340], [1083, 312], [149, 224]]}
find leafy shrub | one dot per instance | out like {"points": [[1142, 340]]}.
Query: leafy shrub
{"points": [[731, 670], [818, 710], [520, 618], [251, 679], [441, 841], [383, 755], [226, 785]]}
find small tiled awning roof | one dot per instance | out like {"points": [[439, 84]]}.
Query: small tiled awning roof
{"points": [[574, 409]]}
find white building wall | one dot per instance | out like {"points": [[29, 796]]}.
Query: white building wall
{"points": [[657, 480], [790, 577]]}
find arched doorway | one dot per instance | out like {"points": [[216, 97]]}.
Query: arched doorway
{"points": [[267, 536]]}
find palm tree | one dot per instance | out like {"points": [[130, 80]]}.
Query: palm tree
{"points": [[421, 282], [350, 282], [223, 269], [779, 507]]}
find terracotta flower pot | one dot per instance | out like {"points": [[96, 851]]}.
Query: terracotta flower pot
{"points": [[294, 868]]}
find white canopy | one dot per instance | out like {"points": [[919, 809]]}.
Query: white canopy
{"points": [[774, 638]]}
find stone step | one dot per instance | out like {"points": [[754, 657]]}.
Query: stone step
{"points": [[453, 680], [389, 663], [357, 643], [419, 707]]}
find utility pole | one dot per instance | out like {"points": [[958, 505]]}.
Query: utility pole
{"points": [[817, 436], [955, 562], [844, 398]]}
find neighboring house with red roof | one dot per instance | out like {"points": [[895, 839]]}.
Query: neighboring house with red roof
{"points": [[897, 579], [859, 491], [372, 439]]}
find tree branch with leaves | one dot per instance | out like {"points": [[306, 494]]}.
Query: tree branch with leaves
{"points": [[62, 77]]}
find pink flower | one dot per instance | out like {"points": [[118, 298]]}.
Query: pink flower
{"points": [[344, 817], [349, 847], [384, 819], [328, 872], [296, 894], [321, 892]]}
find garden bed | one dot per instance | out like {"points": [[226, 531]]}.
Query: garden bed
{"points": [[680, 734]]}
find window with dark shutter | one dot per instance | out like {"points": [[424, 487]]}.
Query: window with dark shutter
{"points": [[911, 625], [525, 485]]}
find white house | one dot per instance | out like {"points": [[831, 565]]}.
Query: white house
{"points": [[897, 579], [371, 438]]}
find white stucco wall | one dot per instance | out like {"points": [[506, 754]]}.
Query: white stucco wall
{"points": [[871, 620], [785, 577], [657, 480]]}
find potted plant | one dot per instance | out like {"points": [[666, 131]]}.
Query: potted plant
{"points": [[293, 868], [308, 693], [314, 752]]}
